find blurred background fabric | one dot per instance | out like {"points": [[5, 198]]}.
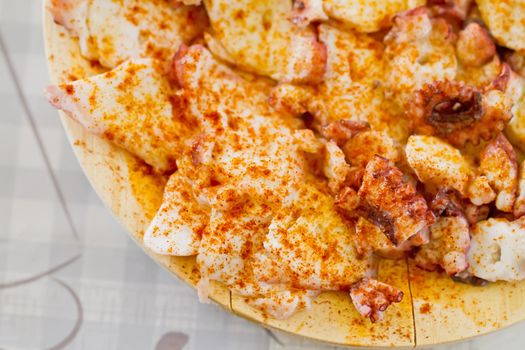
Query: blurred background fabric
{"points": [[70, 277]]}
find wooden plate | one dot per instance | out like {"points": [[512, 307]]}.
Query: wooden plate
{"points": [[434, 310]]}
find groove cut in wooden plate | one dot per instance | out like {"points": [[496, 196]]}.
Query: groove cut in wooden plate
{"points": [[434, 310]]}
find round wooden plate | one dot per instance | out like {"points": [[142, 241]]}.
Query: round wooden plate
{"points": [[434, 310]]}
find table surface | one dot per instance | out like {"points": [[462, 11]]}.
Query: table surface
{"points": [[70, 278]]}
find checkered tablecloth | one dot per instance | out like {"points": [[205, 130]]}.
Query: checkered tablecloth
{"points": [[70, 278]]}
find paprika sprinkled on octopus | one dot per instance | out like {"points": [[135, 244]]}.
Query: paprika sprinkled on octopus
{"points": [[304, 140]]}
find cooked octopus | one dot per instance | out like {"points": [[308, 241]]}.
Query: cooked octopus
{"points": [[480, 191], [448, 246], [446, 202], [371, 297], [311, 138], [454, 11], [368, 16], [283, 304], [362, 16], [437, 163], [479, 65], [485, 77], [391, 203], [459, 113], [307, 11], [516, 60], [151, 129], [115, 31], [419, 51], [505, 20], [335, 168], [347, 201], [314, 245], [369, 237], [341, 131], [449, 202], [515, 92], [476, 213], [240, 235], [180, 222], [519, 204], [362, 148], [497, 250], [258, 36], [498, 164]]}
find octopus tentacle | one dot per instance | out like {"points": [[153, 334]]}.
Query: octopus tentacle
{"points": [[458, 112], [371, 297]]}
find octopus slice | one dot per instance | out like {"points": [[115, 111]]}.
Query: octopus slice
{"points": [[454, 12], [475, 46], [448, 246], [254, 167], [188, 2], [335, 167], [314, 245], [392, 203], [476, 213], [419, 51], [437, 163], [497, 250], [371, 298], [459, 113], [72, 15], [178, 225], [129, 106], [485, 77], [479, 65], [447, 202], [498, 164], [232, 252], [351, 90], [362, 148], [253, 144], [509, 82], [115, 31], [446, 107], [369, 237], [228, 245], [259, 37], [519, 205], [193, 66], [505, 20], [366, 16]]}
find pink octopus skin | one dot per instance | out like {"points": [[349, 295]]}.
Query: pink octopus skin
{"points": [[371, 297], [391, 202]]}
